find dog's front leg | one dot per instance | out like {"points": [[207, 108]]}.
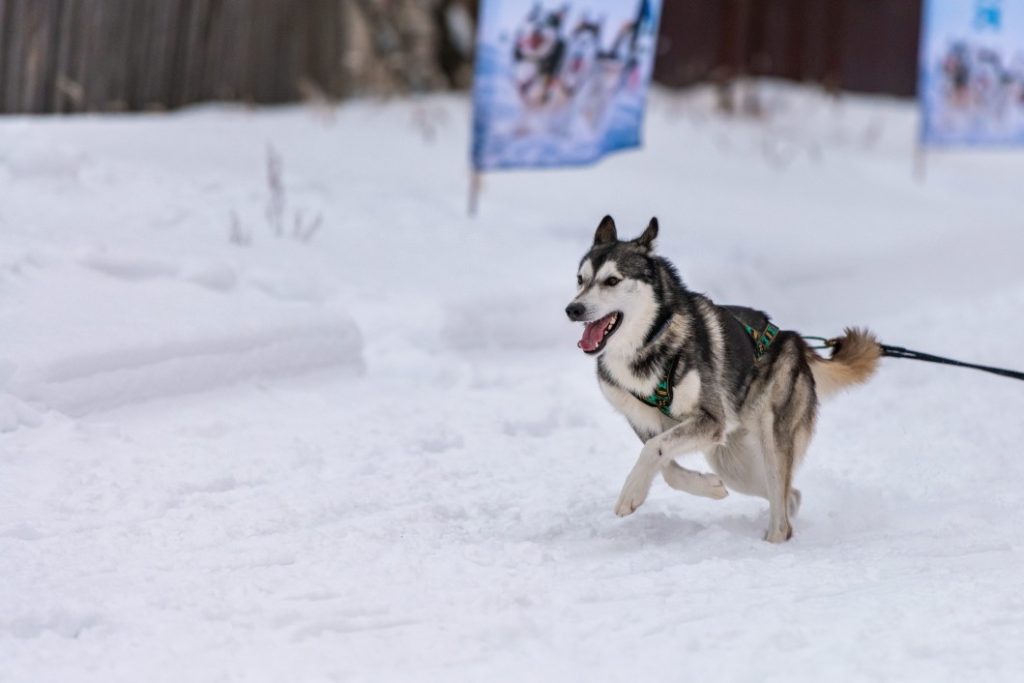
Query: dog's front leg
{"points": [[694, 483], [698, 432]]}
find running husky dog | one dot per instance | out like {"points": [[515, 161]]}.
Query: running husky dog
{"points": [[690, 375]]}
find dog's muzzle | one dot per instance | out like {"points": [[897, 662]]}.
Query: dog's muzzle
{"points": [[576, 311]]}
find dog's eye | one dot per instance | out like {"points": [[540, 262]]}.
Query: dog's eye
{"points": [[579, 279], [612, 281]]}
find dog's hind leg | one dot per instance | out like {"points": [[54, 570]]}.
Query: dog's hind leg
{"points": [[696, 483], [778, 460], [793, 502], [784, 446], [741, 467], [699, 432]]}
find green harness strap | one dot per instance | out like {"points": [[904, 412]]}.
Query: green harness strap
{"points": [[662, 396], [762, 339]]}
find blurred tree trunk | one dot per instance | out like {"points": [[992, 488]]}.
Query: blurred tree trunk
{"points": [[394, 46]]}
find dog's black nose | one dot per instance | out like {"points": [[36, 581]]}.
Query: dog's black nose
{"points": [[575, 311]]}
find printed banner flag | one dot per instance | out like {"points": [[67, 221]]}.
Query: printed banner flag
{"points": [[560, 83], [972, 72]]}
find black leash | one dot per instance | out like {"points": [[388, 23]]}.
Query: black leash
{"points": [[900, 352]]}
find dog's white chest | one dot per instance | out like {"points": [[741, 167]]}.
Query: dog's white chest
{"points": [[645, 418]]}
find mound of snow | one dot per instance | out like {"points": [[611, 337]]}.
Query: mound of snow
{"points": [[108, 330]]}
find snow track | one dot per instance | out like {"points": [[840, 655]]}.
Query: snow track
{"points": [[79, 385], [97, 341]]}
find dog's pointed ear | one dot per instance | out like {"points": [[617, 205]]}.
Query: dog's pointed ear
{"points": [[605, 232], [646, 240]]}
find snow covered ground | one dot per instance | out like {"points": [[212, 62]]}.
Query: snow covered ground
{"points": [[377, 454]]}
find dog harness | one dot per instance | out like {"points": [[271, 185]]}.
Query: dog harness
{"points": [[663, 395], [762, 338]]}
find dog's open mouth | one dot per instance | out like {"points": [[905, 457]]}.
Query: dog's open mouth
{"points": [[596, 333]]}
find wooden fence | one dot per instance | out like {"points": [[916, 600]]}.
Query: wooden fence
{"points": [[75, 55], [101, 55], [860, 45]]}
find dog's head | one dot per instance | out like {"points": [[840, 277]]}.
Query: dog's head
{"points": [[584, 45], [587, 33], [540, 33], [615, 287]]}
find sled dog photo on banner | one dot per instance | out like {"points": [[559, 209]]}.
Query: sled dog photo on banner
{"points": [[972, 72], [560, 83]]}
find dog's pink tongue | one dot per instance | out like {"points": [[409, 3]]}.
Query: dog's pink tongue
{"points": [[593, 333]]}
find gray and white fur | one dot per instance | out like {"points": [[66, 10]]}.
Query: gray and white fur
{"points": [[752, 417]]}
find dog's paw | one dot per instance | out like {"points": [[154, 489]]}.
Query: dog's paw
{"points": [[779, 535], [633, 495], [715, 487], [627, 506]]}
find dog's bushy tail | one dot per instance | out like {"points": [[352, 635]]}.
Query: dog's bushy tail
{"points": [[854, 360]]}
